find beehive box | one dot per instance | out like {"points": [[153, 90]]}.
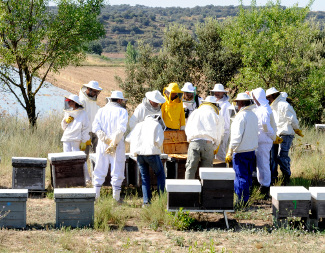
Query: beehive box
{"points": [[67, 169], [317, 202], [28, 173], [74, 207], [183, 193], [175, 142], [290, 201], [13, 208], [107, 182], [217, 188], [320, 127]]}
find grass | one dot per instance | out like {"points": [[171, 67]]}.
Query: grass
{"points": [[129, 227]]}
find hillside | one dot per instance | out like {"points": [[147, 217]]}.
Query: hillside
{"points": [[125, 23]]}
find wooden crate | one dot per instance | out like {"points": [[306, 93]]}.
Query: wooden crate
{"points": [[13, 208], [175, 142], [107, 182], [183, 194], [28, 173], [74, 207], [217, 188], [67, 169], [290, 201], [317, 202]]}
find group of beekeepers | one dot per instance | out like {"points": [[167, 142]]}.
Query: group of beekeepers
{"points": [[255, 131]]}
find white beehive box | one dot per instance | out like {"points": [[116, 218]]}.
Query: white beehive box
{"points": [[217, 188], [28, 173], [183, 193], [290, 201], [13, 208], [74, 207], [317, 201]]}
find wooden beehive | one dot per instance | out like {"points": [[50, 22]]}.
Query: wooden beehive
{"points": [[74, 207], [217, 188], [183, 194], [317, 202], [290, 201], [67, 169], [13, 208], [175, 142], [28, 173]]}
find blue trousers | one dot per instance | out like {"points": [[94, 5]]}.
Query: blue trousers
{"points": [[153, 161], [280, 156], [243, 164]]}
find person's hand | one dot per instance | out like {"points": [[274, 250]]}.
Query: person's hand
{"points": [[88, 143], [229, 156], [83, 146], [216, 151], [111, 149], [298, 131], [278, 140], [69, 119]]}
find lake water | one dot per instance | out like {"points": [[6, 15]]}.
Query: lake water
{"points": [[49, 99]]}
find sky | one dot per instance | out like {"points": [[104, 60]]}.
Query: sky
{"points": [[319, 5]]}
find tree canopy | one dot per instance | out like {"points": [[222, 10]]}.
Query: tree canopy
{"points": [[34, 37]]}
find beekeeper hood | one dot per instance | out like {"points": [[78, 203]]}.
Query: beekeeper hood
{"points": [[157, 118], [172, 93], [93, 91], [189, 88], [74, 98], [211, 101], [260, 96]]}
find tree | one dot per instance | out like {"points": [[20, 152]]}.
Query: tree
{"points": [[36, 39], [279, 48]]}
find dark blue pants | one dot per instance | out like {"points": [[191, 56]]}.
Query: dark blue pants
{"points": [[280, 156], [153, 161], [243, 164]]}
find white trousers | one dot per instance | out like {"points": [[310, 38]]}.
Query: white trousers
{"points": [[221, 155], [70, 146], [117, 162], [263, 163]]}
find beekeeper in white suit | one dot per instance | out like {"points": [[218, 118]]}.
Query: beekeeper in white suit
{"points": [[223, 102], [150, 106], [76, 128], [110, 125], [266, 136], [191, 100], [88, 97], [204, 130]]}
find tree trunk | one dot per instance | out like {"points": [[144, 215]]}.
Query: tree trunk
{"points": [[31, 112]]}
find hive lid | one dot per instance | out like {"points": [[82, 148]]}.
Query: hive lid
{"points": [[13, 193], [317, 192], [211, 173], [29, 160], [74, 193], [182, 185], [66, 156], [290, 193]]}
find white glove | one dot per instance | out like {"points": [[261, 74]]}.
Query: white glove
{"points": [[117, 137], [111, 149], [103, 137], [182, 128]]}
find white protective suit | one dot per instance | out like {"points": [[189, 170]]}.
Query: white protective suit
{"points": [[142, 110], [244, 131], [146, 138], [285, 116], [224, 112], [191, 106], [112, 119], [78, 130], [266, 136], [90, 104], [205, 123]]}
